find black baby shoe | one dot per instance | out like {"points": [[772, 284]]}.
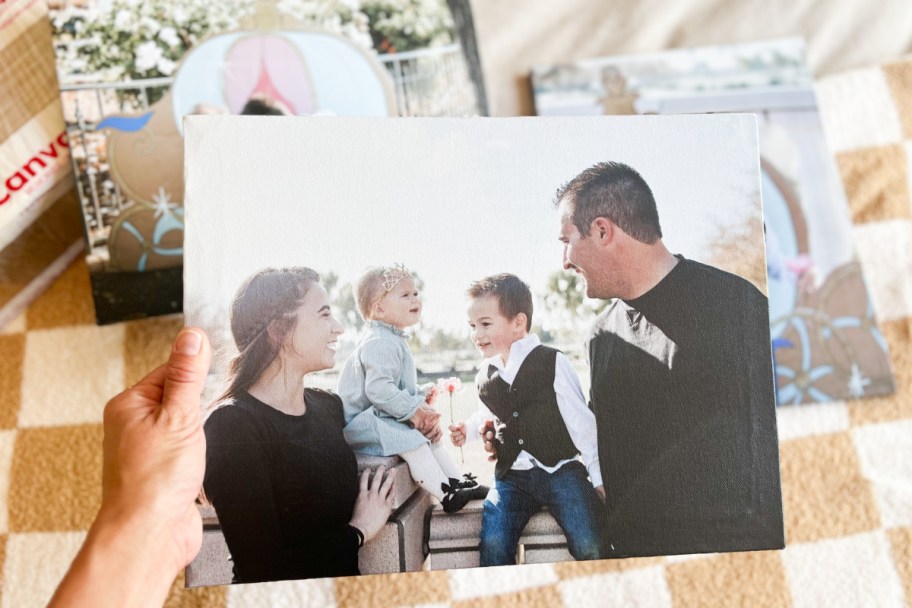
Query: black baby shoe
{"points": [[460, 491]]}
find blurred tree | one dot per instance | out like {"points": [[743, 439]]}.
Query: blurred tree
{"points": [[342, 300], [740, 250], [568, 313], [397, 26]]}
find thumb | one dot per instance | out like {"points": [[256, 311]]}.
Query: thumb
{"points": [[185, 374]]}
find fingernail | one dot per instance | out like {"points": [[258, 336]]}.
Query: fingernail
{"points": [[188, 342]]}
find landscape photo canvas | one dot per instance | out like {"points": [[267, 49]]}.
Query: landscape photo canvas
{"points": [[554, 330]]}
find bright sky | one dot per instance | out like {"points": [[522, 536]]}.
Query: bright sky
{"points": [[453, 199]]}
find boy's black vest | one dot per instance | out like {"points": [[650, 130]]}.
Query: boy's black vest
{"points": [[527, 414]]}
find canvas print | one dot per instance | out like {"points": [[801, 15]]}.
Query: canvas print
{"points": [[528, 320], [826, 342], [129, 72], [40, 227]]}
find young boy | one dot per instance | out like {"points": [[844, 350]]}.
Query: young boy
{"points": [[542, 425]]}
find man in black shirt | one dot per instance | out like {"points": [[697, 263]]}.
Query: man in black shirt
{"points": [[682, 380]]}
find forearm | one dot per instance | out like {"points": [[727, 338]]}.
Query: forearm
{"points": [[123, 562]]}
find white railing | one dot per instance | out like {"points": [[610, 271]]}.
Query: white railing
{"points": [[427, 82]]}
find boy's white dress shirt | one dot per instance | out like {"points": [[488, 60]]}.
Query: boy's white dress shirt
{"points": [[578, 418]]}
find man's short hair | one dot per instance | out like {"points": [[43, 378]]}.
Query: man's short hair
{"points": [[513, 295], [614, 191]]}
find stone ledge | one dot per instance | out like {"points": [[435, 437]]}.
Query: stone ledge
{"points": [[212, 565], [405, 485], [399, 546], [453, 538], [463, 529], [419, 534]]}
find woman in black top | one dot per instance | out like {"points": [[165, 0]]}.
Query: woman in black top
{"points": [[283, 481]]}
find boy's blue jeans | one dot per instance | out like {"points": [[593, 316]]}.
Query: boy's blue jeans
{"points": [[519, 494]]}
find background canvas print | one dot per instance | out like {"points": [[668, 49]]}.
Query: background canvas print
{"points": [[826, 341], [130, 71], [456, 200], [40, 224]]}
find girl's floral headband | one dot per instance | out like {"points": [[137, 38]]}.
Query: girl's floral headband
{"points": [[392, 276]]}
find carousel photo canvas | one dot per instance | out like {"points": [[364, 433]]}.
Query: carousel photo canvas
{"points": [[454, 343], [130, 71]]}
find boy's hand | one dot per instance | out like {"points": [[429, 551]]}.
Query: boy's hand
{"points": [[458, 434], [488, 433], [600, 491]]}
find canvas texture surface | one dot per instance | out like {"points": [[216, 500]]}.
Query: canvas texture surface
{"points": [[846, 475]]}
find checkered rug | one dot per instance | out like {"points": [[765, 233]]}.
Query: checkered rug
{"points": [[846, 467]]}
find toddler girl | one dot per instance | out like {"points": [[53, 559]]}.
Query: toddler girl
{"points": [[384, 407]]}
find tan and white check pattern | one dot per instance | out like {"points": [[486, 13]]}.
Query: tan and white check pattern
{"points": [[846, 467]]}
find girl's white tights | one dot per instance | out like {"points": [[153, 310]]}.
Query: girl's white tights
{"points": [[430, 466]]}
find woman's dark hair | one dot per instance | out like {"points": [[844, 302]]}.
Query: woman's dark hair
{"points": [[268, 298]]}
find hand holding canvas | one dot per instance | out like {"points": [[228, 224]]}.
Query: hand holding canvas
{"points": [[148, 527]]}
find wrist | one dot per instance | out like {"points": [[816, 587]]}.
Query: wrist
{"points": [[362, 527], [141, 534], [414, 412], [358, 533], [126, 546]]}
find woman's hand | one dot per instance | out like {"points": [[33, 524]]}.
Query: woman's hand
{"points": [[375, 501]]}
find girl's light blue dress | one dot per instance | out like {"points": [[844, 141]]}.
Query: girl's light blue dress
{"points": [[379, 389]]}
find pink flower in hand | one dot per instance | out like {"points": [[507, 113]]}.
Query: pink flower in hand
{"points": [[449, 385]]}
